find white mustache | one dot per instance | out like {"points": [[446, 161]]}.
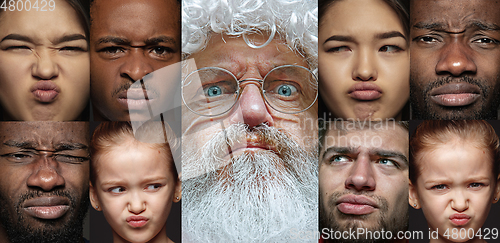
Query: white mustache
{"points": [[222, 143], [256, 197]]}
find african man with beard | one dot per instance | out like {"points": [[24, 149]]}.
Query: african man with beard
{"points": [[363, 181], [455, 59], [44, 170], [249, 148]]}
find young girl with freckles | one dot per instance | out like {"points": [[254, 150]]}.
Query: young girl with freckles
{"points": [[454, 177], [133, 180]]}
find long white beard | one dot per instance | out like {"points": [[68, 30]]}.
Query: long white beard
{"points": [[255, 197]]}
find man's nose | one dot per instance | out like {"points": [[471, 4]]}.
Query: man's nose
{"points": [[136, 203], [361, 177], [364, 66], [136, 65], [460, 201], [252, 106], [45, 67], [46, 174], [456, 60]]}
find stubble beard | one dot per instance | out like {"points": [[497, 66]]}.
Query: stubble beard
{"points": [[422, 109], [256, 197], [387, 220], [20, 231]]}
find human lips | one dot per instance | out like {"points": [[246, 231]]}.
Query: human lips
{"points": [[365, 91], [252, 143], [356, 205], [137, 221], [136, 99], [45, 91], [455, 94], [459, 219], [52, 207]]}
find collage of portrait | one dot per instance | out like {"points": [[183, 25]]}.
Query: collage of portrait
{"points": [[353, 121]]}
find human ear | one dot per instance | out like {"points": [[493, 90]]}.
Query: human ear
{"points": [[497, 191], [178, 191], [93, 198], [413, 196]]}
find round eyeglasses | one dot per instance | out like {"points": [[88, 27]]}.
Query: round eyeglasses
{"points": [[213, 91]]}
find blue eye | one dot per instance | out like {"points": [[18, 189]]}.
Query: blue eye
{"points": [[286, 90], [213, 91], [340, 158], [386, 162]]}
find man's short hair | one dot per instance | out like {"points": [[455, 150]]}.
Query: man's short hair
{"points": [[345, 126]]}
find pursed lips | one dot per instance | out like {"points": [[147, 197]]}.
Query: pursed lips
{"points": [[45, 91], [356, 204], [252, 142], [136, 98], [455, 94], [365, 91], [52, 207], [137, 221]]}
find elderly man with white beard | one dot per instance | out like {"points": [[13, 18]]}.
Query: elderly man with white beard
{"points": [[249, 120]]}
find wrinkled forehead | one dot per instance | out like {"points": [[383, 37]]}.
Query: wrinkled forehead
{"points": [[45, 135], [369, 136], [454, 13]]}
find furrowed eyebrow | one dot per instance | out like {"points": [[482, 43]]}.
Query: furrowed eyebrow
{"points": [[483, 25], [68, 38], [391, 34], [57, 147], [160, 39], [390, 154], [340, 38], [339, 150], [22, 145], [70, 146], [442, 27], [429, 26], [112, 39], [17, 37]]}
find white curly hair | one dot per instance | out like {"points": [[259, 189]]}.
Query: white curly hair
{"points": [[295, 21]]}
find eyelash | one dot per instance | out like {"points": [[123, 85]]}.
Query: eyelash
{"points": [[396, 48], [339, 49], [73, 48], [17, 47], [440, 185]]}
